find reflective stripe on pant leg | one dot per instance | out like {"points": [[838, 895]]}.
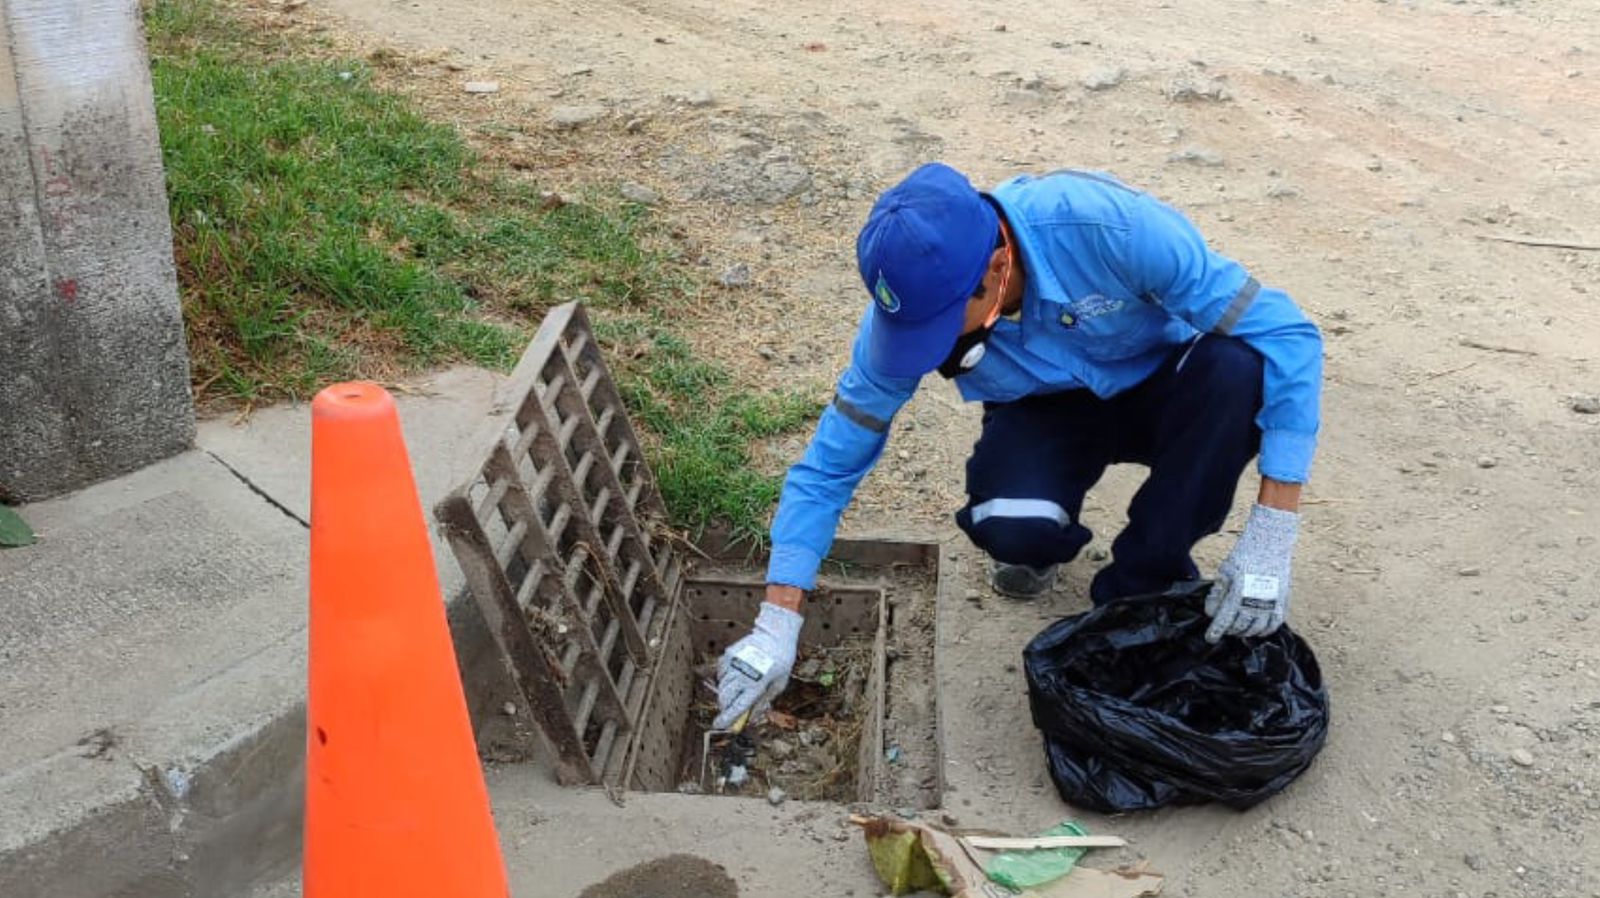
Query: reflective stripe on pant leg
{"points": [[1020, 508]]}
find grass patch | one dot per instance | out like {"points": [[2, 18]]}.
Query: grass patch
{"points": [[326, 230]]}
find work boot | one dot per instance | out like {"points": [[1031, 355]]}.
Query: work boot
{"points": [[1021, 581]]}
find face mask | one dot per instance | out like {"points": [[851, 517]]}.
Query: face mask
{"points": [[968, 352]]}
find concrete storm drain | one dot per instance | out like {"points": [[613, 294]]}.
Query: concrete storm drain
{"points": [[611, 624]]}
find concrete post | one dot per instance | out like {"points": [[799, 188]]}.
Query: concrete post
{"points": [[94, 373]]}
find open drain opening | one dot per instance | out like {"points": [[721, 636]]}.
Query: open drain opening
{"points": [[809, 745]]}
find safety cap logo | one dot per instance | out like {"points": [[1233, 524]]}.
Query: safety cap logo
{"points": [[887, 301]]}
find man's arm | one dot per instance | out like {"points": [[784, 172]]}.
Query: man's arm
{"points": [[848, 442], [1164, 258], [1167, 261]]}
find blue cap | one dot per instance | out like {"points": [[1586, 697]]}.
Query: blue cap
{"points": [[922, 254]]}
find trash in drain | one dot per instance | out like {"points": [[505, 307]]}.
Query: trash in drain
{"points": [[807, 746]]}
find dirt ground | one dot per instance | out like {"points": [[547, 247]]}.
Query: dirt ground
{"points": [[1363, 155]]}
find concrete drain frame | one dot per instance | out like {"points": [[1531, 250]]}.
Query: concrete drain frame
{"points": [[601, 613]]}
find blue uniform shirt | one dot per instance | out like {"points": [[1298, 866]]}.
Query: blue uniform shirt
{"points": [[1113, 279]]}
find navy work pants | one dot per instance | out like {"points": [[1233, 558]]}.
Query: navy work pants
{"points": [[1192, 423]]}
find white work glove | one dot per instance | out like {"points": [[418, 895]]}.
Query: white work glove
{"points": [[1251, 595], [756, 668]]}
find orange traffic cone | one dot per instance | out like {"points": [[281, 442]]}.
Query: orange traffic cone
{"points": [[395, 800]]}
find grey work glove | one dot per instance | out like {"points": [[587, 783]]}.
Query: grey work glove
{"points": [[756, 668], [1251, 595]]}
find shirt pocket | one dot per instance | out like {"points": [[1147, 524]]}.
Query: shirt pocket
{"points": [[1105, 327]]}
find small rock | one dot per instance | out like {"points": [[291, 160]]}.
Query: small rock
{"points": [[1522, 757], [700, 98], [1500, 709], [780, 748], [1104, 79], [738, 775], [510, 708], [1098, 554], [1281, 192], [1197, 156], [776, 796], [481, 87], [1375, 165], [1187, 90], [766, 352], [573, 116], [634, 125], [1474, 862], [736, 276], [1000, 27], [1487, 461], [551, 199], [1585, 405], [577, 70], [1469, 572], [949, 819], [842, 835], [638, 193], [1519, 617], [1449, 737]]}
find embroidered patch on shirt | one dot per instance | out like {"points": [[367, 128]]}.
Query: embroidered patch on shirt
{"points": [[1094, 305]]}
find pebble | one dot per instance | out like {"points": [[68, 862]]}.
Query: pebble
{"points": [[1104, 79], [1282, 192], [577, 70], [776, 796], [1522, 757], [736, 276], [481, 87], [780, 748], [1197, 156], [1185, 90], [1474, 862], [510, 708], [700, 98], [1098, 554], [1501, 709], [1487, 461], [766, 352], [1585, 405], [573, 116], [638, 193], [1469, 572], [1449, 737], [1519, 617]]}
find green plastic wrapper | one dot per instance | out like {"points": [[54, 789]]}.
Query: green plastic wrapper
{"points": [[1021, 870]]}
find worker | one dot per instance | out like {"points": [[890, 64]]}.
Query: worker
{"points": [[1096, 327]]}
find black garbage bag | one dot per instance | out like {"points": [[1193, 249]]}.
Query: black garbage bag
{"points": [[1139, 711]]}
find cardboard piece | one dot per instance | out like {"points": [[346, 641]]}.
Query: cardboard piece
{"points": [[911, 855]]}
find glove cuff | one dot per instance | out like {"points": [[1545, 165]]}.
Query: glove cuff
{"points": [[781, 623], [1271, 527]]}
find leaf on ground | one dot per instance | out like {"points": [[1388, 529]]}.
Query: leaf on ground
{"points": [[782, 721], [14, 531]]}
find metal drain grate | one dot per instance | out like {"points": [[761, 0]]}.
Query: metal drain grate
{"points": [[561, 538]]}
